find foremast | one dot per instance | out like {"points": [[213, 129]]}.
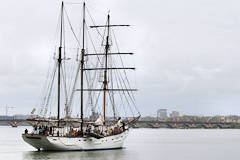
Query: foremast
{"points": [[106, 68]]}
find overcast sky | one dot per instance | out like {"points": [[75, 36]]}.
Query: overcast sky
{"points": [[187, 52]]}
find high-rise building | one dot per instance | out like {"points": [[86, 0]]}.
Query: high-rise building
{"points": [[175, 114], [162, 114]]}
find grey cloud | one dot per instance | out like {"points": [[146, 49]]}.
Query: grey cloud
{"points": [[187, 52]]}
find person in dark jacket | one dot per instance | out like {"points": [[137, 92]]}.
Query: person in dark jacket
{"points": [[50, 130], [26, 131]]}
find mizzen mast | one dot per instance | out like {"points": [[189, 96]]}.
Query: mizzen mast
{"points": [[59, 67]]}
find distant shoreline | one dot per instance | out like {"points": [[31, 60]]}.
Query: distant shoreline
{"points": [[152, 124], [147, 127]]}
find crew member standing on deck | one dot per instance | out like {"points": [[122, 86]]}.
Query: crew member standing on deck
{"points": [[120, 122]]}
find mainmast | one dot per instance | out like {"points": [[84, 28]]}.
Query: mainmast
{"points": [[59, 66], [82, 65], [105, 70]]}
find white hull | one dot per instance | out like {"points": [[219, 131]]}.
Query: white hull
{"points": [[49, 143]]}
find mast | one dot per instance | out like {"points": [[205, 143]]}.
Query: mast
{"points": [[82, 65], [59, 65], [105, 70]]}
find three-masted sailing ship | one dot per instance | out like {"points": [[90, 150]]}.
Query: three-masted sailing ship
{"points": [[94, 80]]}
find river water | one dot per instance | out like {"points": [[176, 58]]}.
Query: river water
{"points": [[141, 144]]}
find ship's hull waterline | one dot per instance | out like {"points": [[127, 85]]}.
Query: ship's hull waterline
{"points": [[50, 143]]}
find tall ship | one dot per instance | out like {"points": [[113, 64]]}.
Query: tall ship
{"points": [[87, 102]]}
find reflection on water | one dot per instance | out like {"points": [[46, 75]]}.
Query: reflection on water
{"points": [[73, 155]]}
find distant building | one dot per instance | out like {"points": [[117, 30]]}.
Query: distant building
{"points": [[162, 114], [232, 118], [20, 116], [6, 117], [17, 117], [147, 118], [175, 114]]}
